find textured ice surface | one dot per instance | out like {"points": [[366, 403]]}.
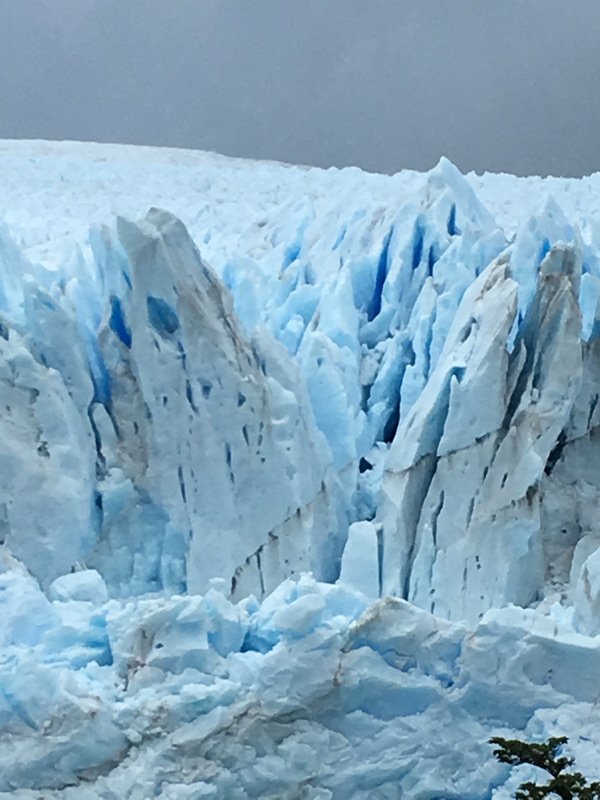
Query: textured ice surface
{"points": [[390, 383]]}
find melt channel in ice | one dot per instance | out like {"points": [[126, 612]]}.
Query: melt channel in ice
{"points": [[300, 476]]}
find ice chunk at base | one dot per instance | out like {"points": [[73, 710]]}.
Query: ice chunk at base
{"points": [[86, 585], [360, 561]]}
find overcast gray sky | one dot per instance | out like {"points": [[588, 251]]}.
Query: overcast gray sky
{"points": [[503, 85]]}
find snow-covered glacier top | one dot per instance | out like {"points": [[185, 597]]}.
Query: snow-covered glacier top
{"points": [[300, 475]]}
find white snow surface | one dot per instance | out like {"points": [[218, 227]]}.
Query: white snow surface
{"points": [[301, 476]]}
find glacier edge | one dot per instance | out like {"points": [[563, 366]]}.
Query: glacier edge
{"points": [[183, 443]]}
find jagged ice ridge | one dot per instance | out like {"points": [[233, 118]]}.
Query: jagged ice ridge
{"points": [[300, 476]]}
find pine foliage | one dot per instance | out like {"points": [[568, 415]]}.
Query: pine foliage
{"points": [[547, 756]]}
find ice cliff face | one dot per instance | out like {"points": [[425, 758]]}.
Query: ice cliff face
{"points": [[186, 450], [390, 383]]}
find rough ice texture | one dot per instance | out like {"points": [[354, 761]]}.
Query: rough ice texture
{"points": [[390, 383]]}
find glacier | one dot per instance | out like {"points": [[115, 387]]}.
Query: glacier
{"points": [[300, 476]]}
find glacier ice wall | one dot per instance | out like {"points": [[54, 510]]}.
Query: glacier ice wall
{"points": [[390, 383], [167, 449]]}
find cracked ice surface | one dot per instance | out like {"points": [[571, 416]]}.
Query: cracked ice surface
{"points": [[390, 383]]}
